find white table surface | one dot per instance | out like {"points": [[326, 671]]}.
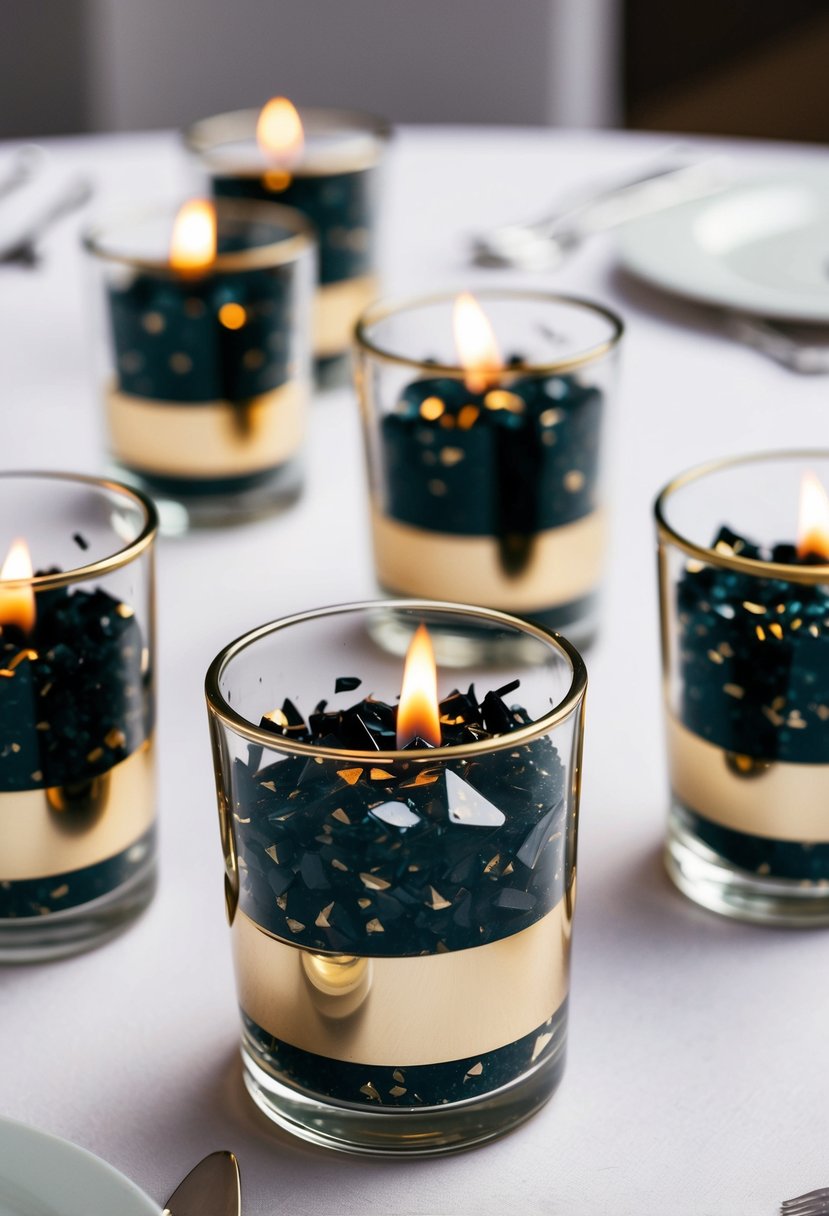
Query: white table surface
{"points": [[699, 1054]]}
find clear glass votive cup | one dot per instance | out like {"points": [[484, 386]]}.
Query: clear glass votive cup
{"points": [[745, 638], [206, 371], [490, 487], [401, 920], [336, 182], [77, 712]]}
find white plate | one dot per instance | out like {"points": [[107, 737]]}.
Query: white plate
{"points": [[41, 1175], [759, 247]]}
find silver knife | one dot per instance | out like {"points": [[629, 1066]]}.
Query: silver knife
{"points": [[212, 1188]]}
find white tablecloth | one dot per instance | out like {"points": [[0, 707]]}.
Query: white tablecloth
{"points": [[699, 1054]]}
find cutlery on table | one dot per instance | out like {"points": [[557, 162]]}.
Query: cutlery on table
{"points": [[542, 245], [813, 1203], [801, 348], [22, 248], [212, 1188], [24, 163]]}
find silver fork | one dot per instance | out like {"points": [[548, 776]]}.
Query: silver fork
{"points": [[813, 1203]]}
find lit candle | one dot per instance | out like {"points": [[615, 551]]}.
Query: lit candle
{"points": [[749, 732], [17, 602], [487, 480], [323, 163], [418, 717], [193, 242]]}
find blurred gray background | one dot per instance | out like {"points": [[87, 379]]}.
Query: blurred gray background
{"points": [[753, 67]]}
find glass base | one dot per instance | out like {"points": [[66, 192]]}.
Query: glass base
{"points": [[39, 939], [218, 503], [427, 1131], [714, 882], [459, 647]]}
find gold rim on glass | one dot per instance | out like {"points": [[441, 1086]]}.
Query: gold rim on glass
{"points": [[208, 134], [381, 310], [711, 557], [114, 561], [254, 734], [275, 253]]}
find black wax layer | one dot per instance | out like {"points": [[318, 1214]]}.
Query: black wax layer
{"points": [[479, 470], [328, 864], [759, 855], [207, 487], [341, 207], [421, 1085], [32, 897], [74, 700], [754, 660], [170, 344]]}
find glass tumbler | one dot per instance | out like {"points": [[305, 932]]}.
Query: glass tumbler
{"points": [[483, 421], [205, 368], [77, 710], [744, 586], [401, 913]]}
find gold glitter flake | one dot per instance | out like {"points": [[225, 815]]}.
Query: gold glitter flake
{"points": [[364, 903], [115, 738], [715, 656], [474, 1071], [296, 926], [95, 755], [282, 902], [370, 1092], [374, 882], [776, 629], [502, 399], [397, 1091], [451, 456], [339, 865], [757, 609], [550, 417], [350, 775], [152, 323], [399, 1076], [380, 774], [277, 717], [574, 481], [59, 892], [468, 416], [761, 633], [340, 815], [772, 716], [232, 315], [431, 409], [540, 1043], [437, 902], [734, 690], [125, 611], [181, 363], [374, 926], [322, 921], [492, 863], [31, 655], [272, 853]]}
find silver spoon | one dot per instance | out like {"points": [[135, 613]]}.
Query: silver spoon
{"points": [[541, 245]]}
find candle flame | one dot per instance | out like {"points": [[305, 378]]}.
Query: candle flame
{"points": [[476, 345], [17, 604], [279, 132], [418, 716], [193, 243], [813, 521]]}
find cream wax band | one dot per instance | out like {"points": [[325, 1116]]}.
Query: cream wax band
{"points": [[426, 1009], [336, 309], [781, 801], [209, 439], [565, 564], [57, 830]]}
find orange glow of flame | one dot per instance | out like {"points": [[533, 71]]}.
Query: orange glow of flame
{"points": [[418, 716], [17, 604], [813, 521], [476, 345], [193, 243], [279, 132]]}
